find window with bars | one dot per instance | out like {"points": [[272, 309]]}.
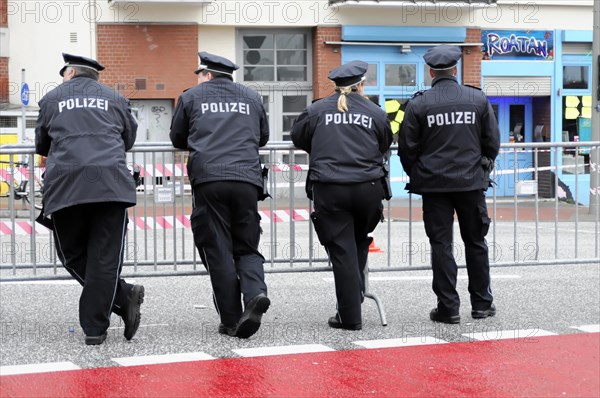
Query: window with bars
{"points": [[8, 122], [275, 56]]}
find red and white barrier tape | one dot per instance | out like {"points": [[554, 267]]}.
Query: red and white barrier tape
{"points": [[24, 227]]}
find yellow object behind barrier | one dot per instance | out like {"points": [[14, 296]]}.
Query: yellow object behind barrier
{"points": [[6, 139]]}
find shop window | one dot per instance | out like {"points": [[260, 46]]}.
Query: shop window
{"points": [[576, 127], [371, 75], [275, 56], [576, 77], [427, 79], [404, 75]]}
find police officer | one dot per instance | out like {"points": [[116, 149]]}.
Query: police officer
{"points": [[223, 124], [346, 136], [447, 143], [84, 128]]}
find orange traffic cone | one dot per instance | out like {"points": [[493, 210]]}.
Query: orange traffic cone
{"points": [[373, 248]]}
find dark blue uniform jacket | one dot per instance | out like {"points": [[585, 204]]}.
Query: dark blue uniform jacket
{"points": [[222, 124], [444, 135], [84, 128], [344, 147]]}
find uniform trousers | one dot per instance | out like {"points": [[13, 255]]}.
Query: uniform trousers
{"points": [[226, 227], [474, 223], [90, 243], [344, 216]]}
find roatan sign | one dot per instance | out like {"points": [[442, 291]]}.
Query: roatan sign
{"points": [[518, 44]]}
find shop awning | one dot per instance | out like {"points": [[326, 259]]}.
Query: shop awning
{"points": [[389, 3]]}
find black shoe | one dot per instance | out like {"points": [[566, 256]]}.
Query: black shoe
{"points": [[480, 314], [335, 323], [435, 316], [95, 340], [132, 316], [228, 330], [250, 320]]}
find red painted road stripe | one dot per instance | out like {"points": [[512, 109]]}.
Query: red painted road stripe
{"points": [[553, 366]]}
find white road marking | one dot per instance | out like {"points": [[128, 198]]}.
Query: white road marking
{"points": [[37, 368], [403, 342], [282, 350], [509, 334], [167, 358], [588, 328], [50, 282], [424, 278]]}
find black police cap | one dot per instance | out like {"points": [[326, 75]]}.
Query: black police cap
{"points": [[215, 63], [349, 74], [79, 61], [442, 57]]}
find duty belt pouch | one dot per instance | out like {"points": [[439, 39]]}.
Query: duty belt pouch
{"points": [[265, 180], [308, 187], [385, 180], [488, 166]]}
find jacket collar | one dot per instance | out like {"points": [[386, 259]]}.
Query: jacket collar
{"points": [[443, 78]]}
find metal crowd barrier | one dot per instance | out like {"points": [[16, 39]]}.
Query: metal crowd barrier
{"points": [[539, 223]]}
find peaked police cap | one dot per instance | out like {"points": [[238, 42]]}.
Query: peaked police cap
{"points": [[349, 74], [79, 61], [442, 56], [215, 63]]}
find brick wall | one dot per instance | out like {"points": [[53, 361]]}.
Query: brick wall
{"points": [[471, 73], [3, 13], [165, 56], [3, 60], [325, 58], [3, 79]]}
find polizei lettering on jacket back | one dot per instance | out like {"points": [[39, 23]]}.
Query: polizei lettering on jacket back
{"points": [[349, 118], [450, 118], [225, 107], [75, 103]]}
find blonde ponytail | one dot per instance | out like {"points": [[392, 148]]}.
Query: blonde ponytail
{"points": [[342, 104]]}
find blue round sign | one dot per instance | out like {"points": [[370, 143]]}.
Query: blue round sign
{"points": [[25, 94]]}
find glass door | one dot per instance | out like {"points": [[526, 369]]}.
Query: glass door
{"points": [[515, 123], [282, 109]]}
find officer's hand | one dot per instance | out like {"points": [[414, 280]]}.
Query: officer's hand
{"points": [[487, 163]]}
